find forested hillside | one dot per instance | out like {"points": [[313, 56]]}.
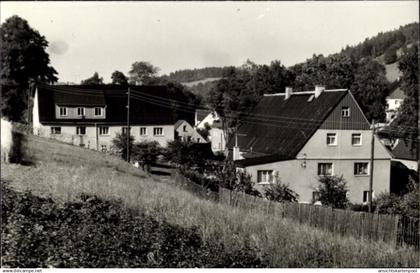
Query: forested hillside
{"points": [[196, 74]]}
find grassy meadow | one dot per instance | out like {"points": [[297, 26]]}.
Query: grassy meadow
{"points": [[63, 172]]}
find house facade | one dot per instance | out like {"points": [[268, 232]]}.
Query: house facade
{"points": [[185, 132], [310, 134], [217, 137], [91, 116]]}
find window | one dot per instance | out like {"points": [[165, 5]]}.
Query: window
{"points": [[356, 139], [366, 196], [124, 130], [143, 131], [80, 111], [158, 131], [185, 128], [331, 139], [103, 148], [361, 168], [81, 130], [345, 112], [63, 111], [265, 176], [99, 111], [55, 130], [103, 130], [325, 168]]}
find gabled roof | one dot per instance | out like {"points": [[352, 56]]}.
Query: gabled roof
{"points": [[202, 113], [113, 97], [406, 149], [280, 127], [397, 93], [179, 123]]}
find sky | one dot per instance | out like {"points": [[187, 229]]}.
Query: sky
{"points": [[88, 37]]}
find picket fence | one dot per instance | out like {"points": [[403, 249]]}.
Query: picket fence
{"points": [[393, 229]]}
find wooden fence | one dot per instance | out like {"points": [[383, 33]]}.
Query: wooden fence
{"points": [[392, 229]]}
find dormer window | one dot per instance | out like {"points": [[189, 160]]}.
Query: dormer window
{"points": [[63, 111], [345, 112], [81, 111], [99, 111]]}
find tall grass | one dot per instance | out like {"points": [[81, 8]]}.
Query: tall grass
{"points": [[63, 172]]}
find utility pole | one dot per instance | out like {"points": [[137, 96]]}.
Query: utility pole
{"points": [[372, 151], [128, 125]]}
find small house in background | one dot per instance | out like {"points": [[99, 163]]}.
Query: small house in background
{"points": [[217, 137], [203, 117], [92, 115], [305, 135], [185, 132], [394, 102]]}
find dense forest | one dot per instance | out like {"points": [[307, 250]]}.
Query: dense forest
{"points": [[196, 74]]}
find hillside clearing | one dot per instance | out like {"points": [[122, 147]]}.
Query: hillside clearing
{"points": [[64, 172]]}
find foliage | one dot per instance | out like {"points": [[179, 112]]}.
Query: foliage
{"points": [[390, 55], [408, 116], [190, 75], [23, 60], [146, 152], [335, 71], [142, 73], [231, 178], [118, 77], [376, 46], [204, 132], [406, 205], [93, 233], [370, 88], [120, 144], [280, 192], [332, 191], [185, 153], [95, 79]]}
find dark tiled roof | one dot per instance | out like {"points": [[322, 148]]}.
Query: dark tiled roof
{"points": [[406, 149], [397, 93], [282, 127], [113, 96]]}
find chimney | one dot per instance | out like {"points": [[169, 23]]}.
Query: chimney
{"points": [[288, 92], [318, 90]]}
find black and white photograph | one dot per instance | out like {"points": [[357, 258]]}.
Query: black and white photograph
{"points": [[209, 134]]}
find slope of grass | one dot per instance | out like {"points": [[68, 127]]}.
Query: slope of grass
{"points": [[64, 172]]}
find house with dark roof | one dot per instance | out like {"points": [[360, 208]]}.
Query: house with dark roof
{"points": [[203, 116], [297, 137], [92, 115]]}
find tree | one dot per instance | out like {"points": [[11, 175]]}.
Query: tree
{"points": [[280, 192], [119, 78], [142, 73], [95, 79], [408, 116], [332, 191], [146, 153], [120, 144], [370, 88], [23, 59]]}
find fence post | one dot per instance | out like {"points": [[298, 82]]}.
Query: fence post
{"points": [[395, 235]]}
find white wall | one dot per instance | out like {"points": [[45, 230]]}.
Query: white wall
{"points": [[304, 180]]}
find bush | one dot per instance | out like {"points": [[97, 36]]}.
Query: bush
{"points": [[332, 191], [146, 152], [280, 192], [93, 233], [120, 144]]}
